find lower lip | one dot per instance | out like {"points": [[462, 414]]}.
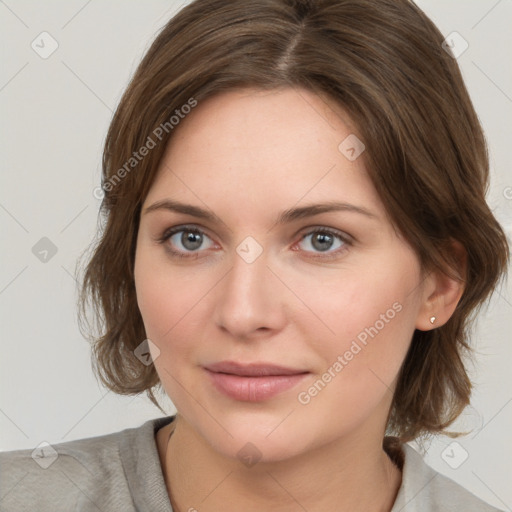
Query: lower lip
{"points": [[253, 389]]}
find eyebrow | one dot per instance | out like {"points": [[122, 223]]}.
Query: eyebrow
{"points": [[284, 217]]}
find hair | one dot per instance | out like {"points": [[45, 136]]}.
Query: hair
{"points": [[383, 62]]}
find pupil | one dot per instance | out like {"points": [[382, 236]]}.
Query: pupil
{"points": [[191, 240], [322, 238]]}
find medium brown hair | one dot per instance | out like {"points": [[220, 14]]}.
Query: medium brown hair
{"points": [[383, 62]]}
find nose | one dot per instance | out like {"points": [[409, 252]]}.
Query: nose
{"points": [[249, 299]]}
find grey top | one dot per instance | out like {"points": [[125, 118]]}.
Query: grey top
{"points": [[122, 472]]}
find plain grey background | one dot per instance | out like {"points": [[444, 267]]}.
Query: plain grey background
{"points": [[55, 111]]}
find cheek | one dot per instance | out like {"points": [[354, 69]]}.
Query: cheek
{"points": [[367, 317], [164, 295], [360, 366], [166, 303], [372, 314], [171, 302]]}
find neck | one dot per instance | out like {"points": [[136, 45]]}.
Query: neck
{"points": [[333, 477]]}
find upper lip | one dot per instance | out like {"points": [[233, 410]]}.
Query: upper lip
{"points": [[252, 369]]}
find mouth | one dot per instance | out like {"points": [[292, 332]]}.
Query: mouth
{"points": [[253, 382]]}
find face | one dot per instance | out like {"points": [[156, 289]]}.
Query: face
{"points": [[268, 275]]}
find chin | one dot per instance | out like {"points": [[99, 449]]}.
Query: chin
{"points": [[250, 450], [252, 438]]}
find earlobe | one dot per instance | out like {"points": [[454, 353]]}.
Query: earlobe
{"points": [[443, 292]]}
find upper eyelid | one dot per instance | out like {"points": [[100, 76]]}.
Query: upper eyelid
{"points": [[168, 232]]}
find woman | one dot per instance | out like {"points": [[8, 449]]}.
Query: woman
{"points": [[296, 237]]}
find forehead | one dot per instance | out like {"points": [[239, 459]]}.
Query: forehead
{"points": [[245, 119], [248, 146]]}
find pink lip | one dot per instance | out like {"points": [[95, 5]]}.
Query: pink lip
{"points": [[253, 382]]}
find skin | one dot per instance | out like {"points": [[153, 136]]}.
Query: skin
{"points": [[246, 156]]}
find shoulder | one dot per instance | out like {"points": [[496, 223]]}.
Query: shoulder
{"points": [[83, 474], [425, 490]]}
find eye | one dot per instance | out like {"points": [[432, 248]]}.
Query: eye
{"points": [[325, 242], [187, 240], [190, 241]]}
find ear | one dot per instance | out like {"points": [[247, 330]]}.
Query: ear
{"points": [[442, 292]]}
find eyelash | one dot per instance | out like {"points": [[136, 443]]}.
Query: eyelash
{"points": [[347, 241]]}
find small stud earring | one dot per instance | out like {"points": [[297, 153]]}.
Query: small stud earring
{"points": [[432, 319]]}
